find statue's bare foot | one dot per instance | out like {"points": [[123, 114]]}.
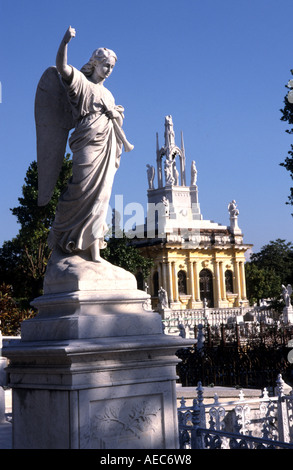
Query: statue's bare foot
{"points": [[95, 252], [96, 260]]}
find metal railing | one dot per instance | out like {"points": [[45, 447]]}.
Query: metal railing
{"points": [[264, 422]]}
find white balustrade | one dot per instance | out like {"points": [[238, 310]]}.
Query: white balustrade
{"points": [[264, 422], [183, 322]]}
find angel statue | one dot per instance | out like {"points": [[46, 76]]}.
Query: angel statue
{"points": [[66, 99], [287, 292]]}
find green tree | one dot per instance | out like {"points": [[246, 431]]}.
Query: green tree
{"points": [[23, 259], [287, 115], [268, 269], [261, 283], [276, 256], [11, 315], [121, 253]]}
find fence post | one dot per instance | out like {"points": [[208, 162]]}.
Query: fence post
{"points": [[267, 413], [237, 335], [196, 438], [283, 422], [223, 335], [242, 414], [209, 342], [200, 339], [202, 413]]}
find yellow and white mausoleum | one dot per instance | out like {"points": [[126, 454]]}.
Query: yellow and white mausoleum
{"points": [[197, 263]]}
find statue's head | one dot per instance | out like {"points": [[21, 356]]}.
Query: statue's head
{"points": [[100, 57]]}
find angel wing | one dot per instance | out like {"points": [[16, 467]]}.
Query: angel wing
{"points": [[289, 288], [53, 118]]}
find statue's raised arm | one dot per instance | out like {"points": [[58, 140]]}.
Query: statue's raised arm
{"points": [[61, 60], [68, 98]]}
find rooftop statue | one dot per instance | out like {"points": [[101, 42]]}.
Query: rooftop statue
{"points": [[232, 208], [151, 176], [193, 174], [169, 132], [68, 99]]}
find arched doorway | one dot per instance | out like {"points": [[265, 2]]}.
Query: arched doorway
{"points": [[229, 281], [182, 285], [206, 286]]}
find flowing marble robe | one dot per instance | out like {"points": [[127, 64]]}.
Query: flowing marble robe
{"points": [[82, 209]]}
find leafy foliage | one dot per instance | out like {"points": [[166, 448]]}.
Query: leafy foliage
{"points": [[11, 315], [268, 269], [278, 256], [262, 283], [287, 115], [23, 259], [288, 164], [120, 253]]}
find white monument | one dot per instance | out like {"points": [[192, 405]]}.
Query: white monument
{"points": [[288, 309], [234, 212], [93, 369]]}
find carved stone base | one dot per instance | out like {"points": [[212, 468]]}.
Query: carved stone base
{"points": [[91, 314], [84, 299], [93, 369], [72, 272], [107, 393]]}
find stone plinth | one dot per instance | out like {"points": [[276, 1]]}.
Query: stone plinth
{"points": [[84, 300], [108, 393], [93, 369], [288, 314]]}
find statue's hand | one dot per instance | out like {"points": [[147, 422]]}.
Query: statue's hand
{"points": [[70, 33], [112, 113]]}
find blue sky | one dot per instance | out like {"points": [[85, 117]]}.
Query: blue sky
{"points": [[218, 67]]}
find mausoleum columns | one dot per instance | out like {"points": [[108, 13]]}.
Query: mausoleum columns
{"points": [[151, 281], [171, 283], [165, 276], [191, 279], [172, 261], [239, 277], [217, 282], [223, 284], [167, 279], [196, 281], [218, 271], [242, 280], [159, 275], [175, 277], [236, 274]]}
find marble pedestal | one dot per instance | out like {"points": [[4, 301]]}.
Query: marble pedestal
{"points": [[288, 314], [93, 368]]}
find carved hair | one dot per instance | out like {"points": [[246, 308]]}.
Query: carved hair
{"points": [[99, 55]]}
